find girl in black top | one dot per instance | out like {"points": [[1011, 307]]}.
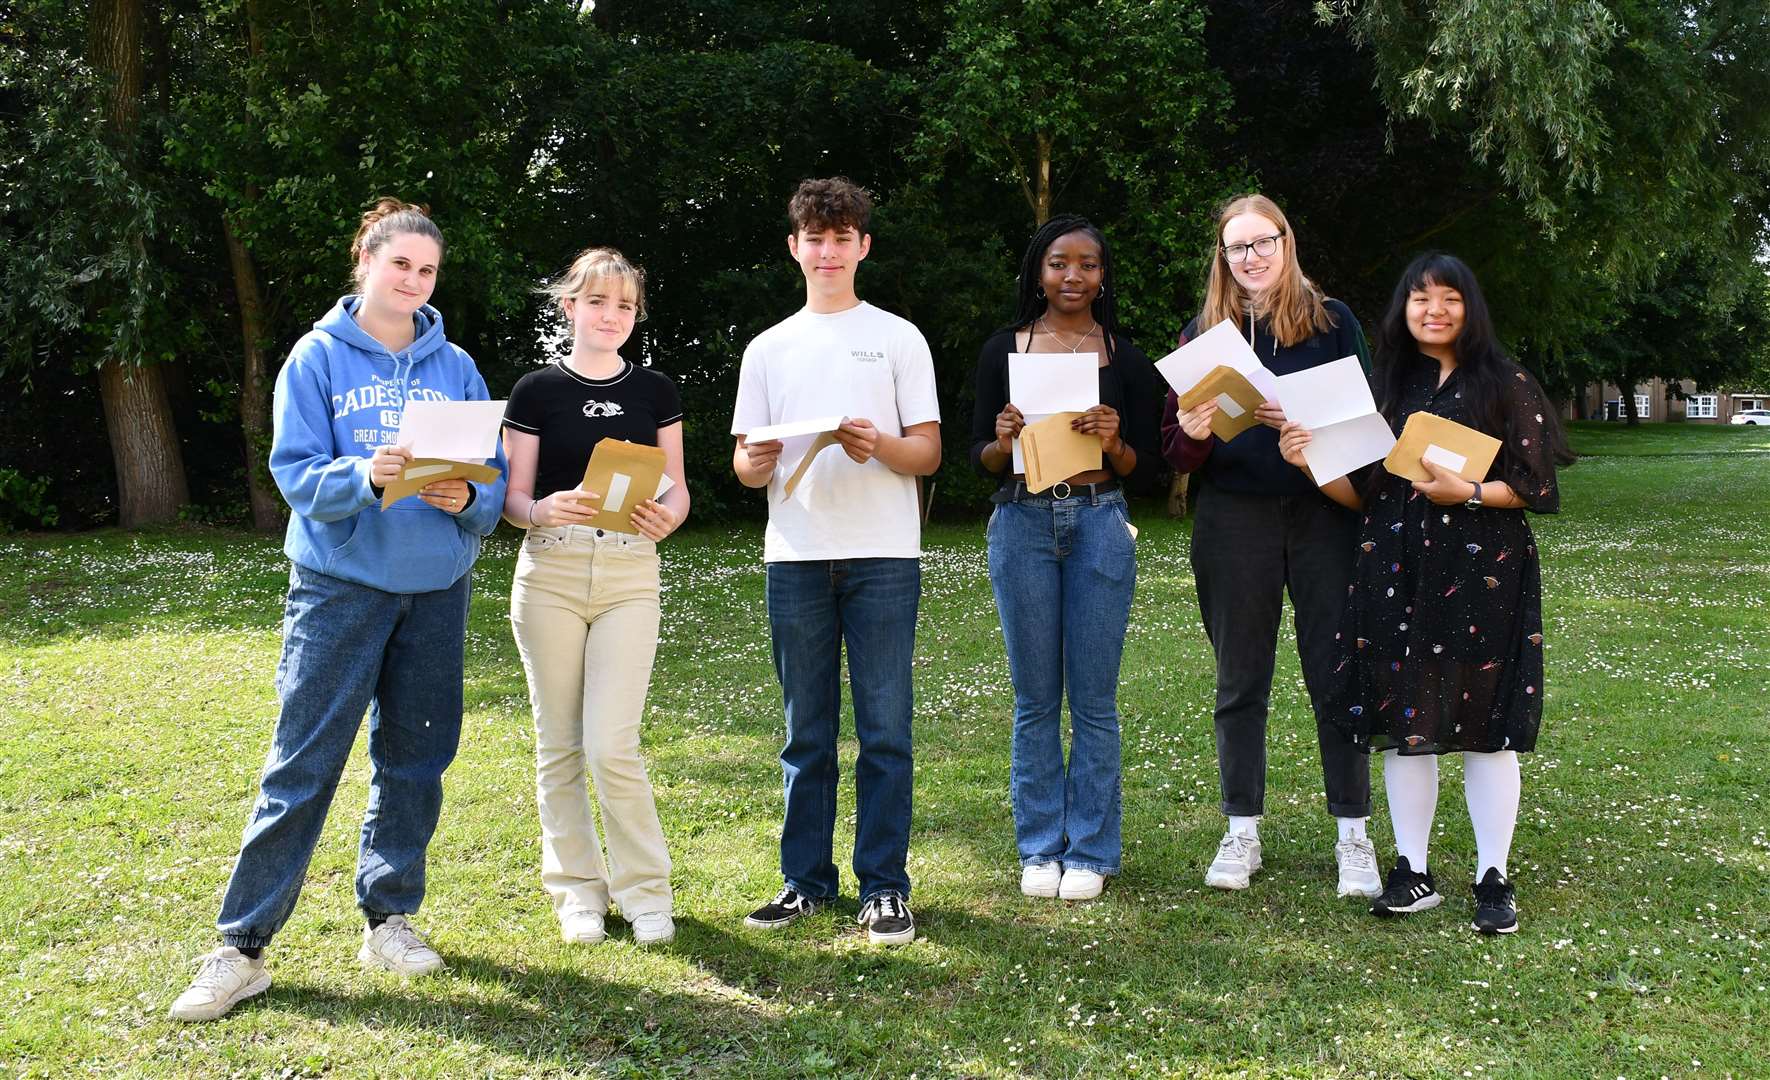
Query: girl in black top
{"points": [[1263, 529], [1442, 644], [584, 606], [1062, 562]]}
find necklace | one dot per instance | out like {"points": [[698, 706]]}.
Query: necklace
{"points": [[1079, 342]]}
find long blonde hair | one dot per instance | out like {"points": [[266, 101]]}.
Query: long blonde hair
{"points": [[1292, 306]]}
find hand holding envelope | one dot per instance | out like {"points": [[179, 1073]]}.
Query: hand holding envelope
{"points": [[1054, 450], [445, 440], [1043, 385], [627, 474], [1236, 398], [1188, 368], [1451, 446]]}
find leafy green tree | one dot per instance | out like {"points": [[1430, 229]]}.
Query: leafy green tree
{"points": [[79, 278]]}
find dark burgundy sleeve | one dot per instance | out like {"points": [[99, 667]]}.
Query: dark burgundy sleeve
{"points": [[1181, 450]]}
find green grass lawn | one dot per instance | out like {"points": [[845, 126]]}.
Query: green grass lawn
{"points": [[136, 705]]}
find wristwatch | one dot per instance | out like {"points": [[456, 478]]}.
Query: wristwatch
{"points": [[1474, 500]]}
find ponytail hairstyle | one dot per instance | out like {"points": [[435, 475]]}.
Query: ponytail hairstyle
{"points": [[1291, 306], [1483, 364], [1029, 300], [594, 266], [388, 218]]}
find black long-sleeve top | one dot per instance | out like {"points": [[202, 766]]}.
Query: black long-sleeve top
{"points": [[1128, 383]]}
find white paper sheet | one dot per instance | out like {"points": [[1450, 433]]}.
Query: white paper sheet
{"points": [[1047, 383], [1326, 394], [1449, 459], [794, 429], [1220, 346], [455, 430], [1040, 384], [664, 484], [1337, 449], [1334, 402]]}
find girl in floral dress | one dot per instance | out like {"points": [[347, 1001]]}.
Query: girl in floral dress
{"points": [[1441, 648]]}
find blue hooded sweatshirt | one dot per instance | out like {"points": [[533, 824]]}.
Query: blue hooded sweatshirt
{"points": [[340, 395]]}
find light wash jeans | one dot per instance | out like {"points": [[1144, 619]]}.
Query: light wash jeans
{"points": [[347, 648], [584, 608], [814, 608], [1063, 571]]}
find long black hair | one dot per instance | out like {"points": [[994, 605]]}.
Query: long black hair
{"points": [[1482, 363], [1030, 302]]}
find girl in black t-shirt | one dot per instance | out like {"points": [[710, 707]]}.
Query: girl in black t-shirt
{"points": [[584, 606]]}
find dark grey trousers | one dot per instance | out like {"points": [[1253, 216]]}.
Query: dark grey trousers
{"points": [[1246, 551]]}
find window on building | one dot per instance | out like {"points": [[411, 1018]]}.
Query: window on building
{"points": [[1643, 405], [1702, 407], [1747, 403]]}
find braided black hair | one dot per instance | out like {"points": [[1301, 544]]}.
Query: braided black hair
{"points": [[1030, 303]]}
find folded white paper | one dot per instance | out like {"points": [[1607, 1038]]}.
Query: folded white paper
{"points": [[456, 430], [1040, 384], [1220, 346], [1334, 402], [794, 429]]}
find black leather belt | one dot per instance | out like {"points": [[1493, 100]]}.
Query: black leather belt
{"points": [[1016, 490]]}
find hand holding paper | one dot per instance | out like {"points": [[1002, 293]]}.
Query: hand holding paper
{"points": [[1333, 401], [1041, 385], [440, 440], [801, 441]]}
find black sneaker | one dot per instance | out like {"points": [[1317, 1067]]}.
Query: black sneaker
{"points": [[1496, 907], [1406, 892], [888, 920], [786, 907]]}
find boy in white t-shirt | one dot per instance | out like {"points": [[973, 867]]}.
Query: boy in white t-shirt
{"points": [[843, 555]]}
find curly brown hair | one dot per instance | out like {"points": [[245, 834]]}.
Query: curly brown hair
{"points": [[834, 202]]}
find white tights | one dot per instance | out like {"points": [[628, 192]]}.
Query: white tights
{"points": [[1491, 784]]}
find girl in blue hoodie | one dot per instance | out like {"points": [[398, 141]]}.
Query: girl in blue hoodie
{"points": [[376, 617]]}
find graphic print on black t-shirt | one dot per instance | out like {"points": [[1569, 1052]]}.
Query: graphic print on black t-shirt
{"points": [[571, 414]]}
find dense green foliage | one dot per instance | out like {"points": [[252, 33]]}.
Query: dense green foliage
{"points": [[1604, 165]]}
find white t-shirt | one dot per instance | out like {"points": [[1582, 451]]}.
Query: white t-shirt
{"points": [[862, 363]]}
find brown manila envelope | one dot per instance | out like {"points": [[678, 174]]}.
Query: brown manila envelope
{"points": [[626, 474], [1236, 400], [426, 470], [1054, 451], [1444, 443]]}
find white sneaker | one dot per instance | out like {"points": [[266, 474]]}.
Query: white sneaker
{"points": [[1238, 857], [652, 928], [1080, 884], [1040, 878], [1358, 867], [225, 978], [582, 927], [395, 946]]}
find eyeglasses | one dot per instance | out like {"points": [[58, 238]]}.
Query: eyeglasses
{"points": [[1264, 247]]}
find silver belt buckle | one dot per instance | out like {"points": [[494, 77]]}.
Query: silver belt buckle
{"points": [[1060, 490]]}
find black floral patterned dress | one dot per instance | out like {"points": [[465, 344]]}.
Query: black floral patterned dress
{"points": [[1441, 647]]}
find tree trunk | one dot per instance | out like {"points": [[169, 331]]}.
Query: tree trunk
{"points": [[267, 508], [138, 415], [144, 444], [1042, 195]]}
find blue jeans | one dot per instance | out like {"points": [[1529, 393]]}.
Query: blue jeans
{"points": [[814, 608], [1063, 571], [347, 648]]}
